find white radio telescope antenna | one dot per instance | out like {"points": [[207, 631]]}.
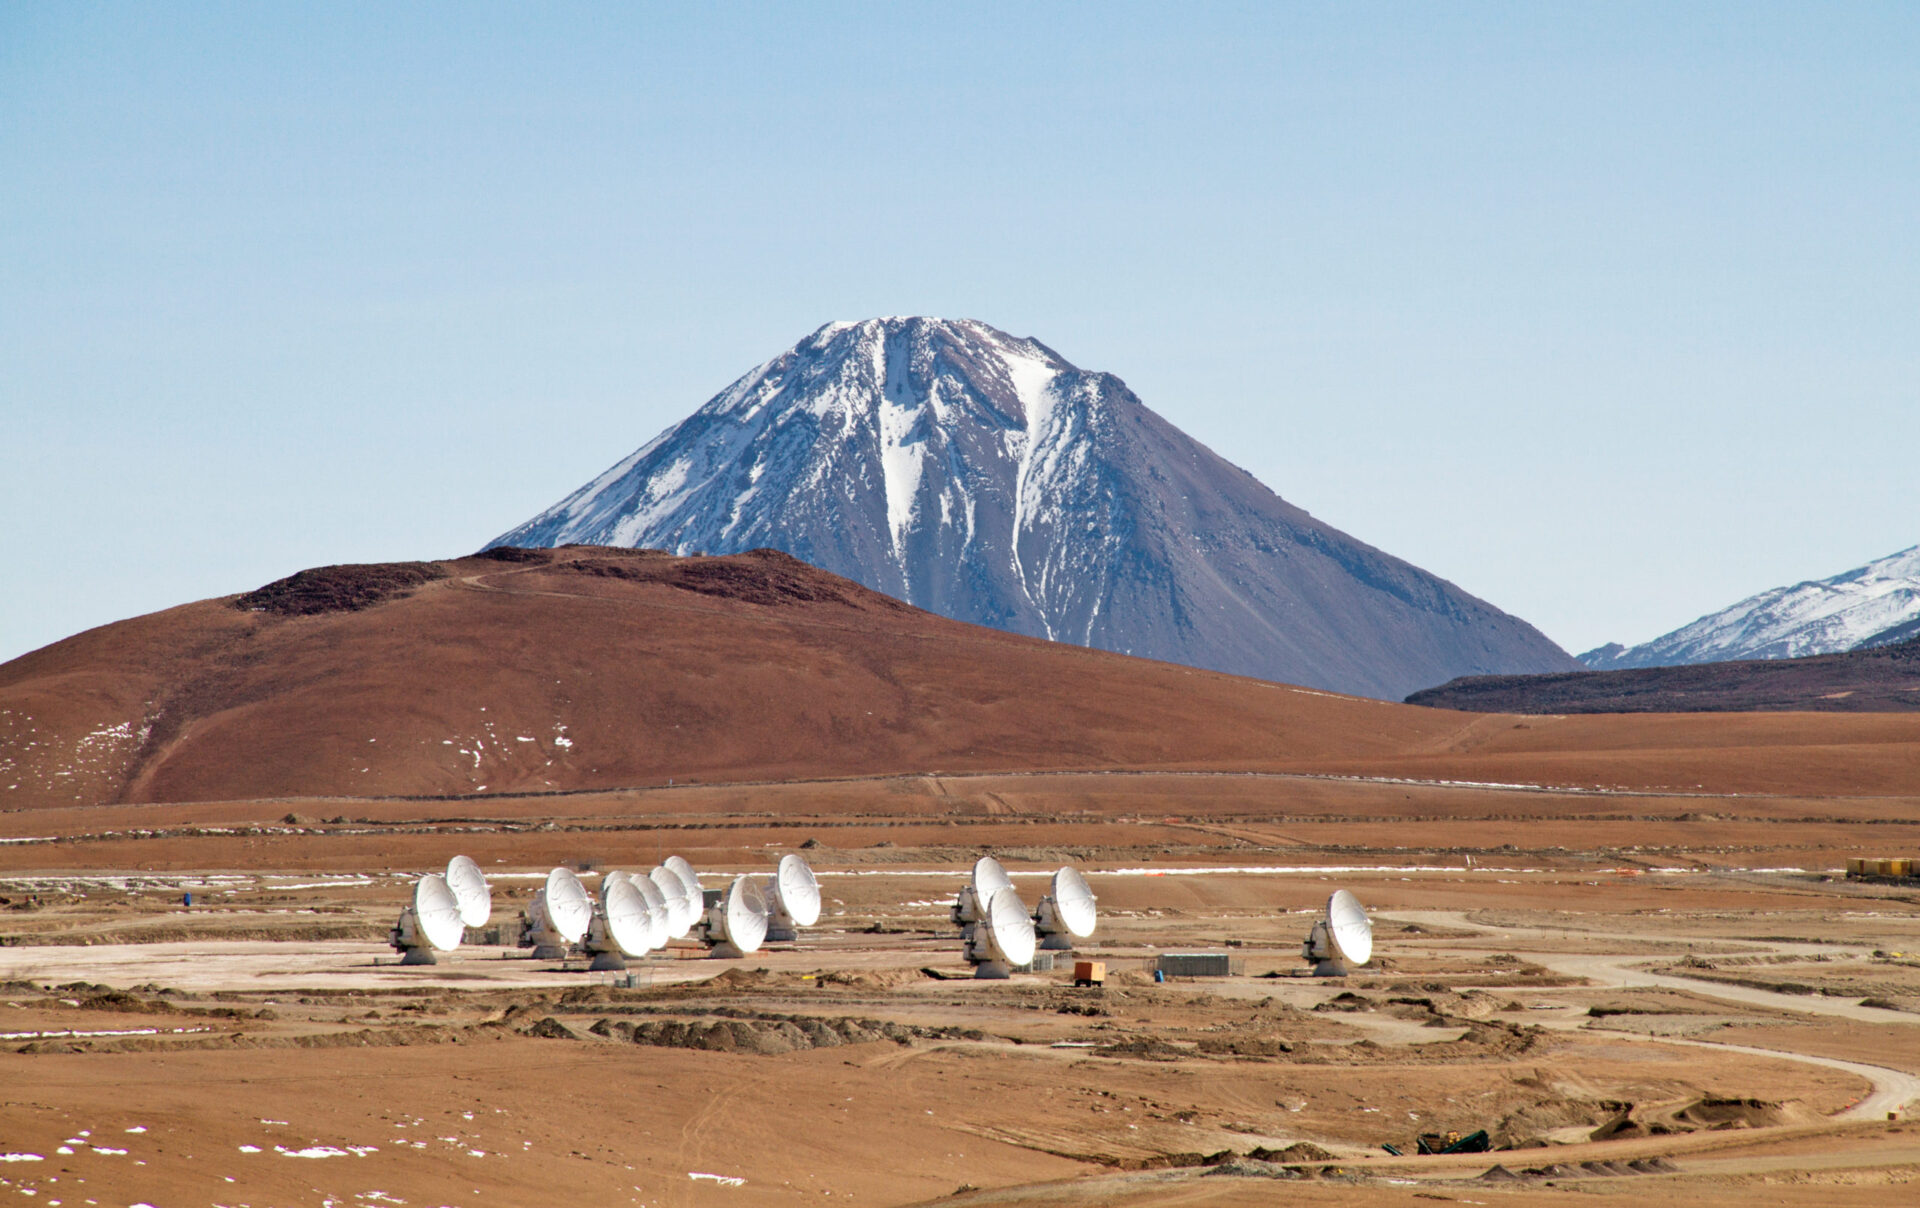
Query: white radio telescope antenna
{"points": [[622, 924], [470, 888], [679, 867], [737, 923], [1002, 938], [1066, 913], [1341, 939], [970, 905], [559, 917], [432, 924], [683, 909], [659, 922], [793, 899]]}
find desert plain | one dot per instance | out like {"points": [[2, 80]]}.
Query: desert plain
{"points": [[1638, 995], [1621, 945]]}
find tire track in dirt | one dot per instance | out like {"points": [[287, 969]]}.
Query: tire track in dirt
{"points": [[1892, 1089]]}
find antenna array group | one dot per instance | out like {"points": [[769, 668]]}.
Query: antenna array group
{"points": [[635, 914]]}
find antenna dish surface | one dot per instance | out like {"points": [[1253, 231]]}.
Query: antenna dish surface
{"points": [[1073, 903], [659, 922], [436, 913], [988, 876], [628, 919], [1349, 927], [569, 909], [682, 911], [679, 866], [1009, 929], [744, 917], [797, 890], [470, 889]]}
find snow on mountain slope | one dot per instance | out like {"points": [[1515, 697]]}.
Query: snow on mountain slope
{"points": [[1867, 606], [981, 476]]}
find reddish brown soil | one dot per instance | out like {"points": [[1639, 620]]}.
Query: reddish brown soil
{"points": [[813, 714], [588, 668]]}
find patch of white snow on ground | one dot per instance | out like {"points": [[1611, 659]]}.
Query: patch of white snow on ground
{"points": [[325, 1151], [725, 1180]]}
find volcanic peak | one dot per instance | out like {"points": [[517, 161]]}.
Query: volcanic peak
{"points": [[984, 477]]}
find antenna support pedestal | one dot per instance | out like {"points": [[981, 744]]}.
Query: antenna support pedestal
{"points": [[607, 962], [782, 935], [1056, 941], [725, 950], [418, 956], [993, 970]]}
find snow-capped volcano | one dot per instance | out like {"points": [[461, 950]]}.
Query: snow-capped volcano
{"points": [[1870, 605], [981, 476]]}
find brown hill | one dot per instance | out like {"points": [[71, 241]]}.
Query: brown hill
{"points": [[524, 671], [587, 667], [1882, 679]]}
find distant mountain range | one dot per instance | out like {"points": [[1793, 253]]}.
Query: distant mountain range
{"points": [[981, 476], [1874, 605], [1875, 679]]}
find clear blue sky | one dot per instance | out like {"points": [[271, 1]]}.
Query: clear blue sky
{"points": [[1608, 313]]}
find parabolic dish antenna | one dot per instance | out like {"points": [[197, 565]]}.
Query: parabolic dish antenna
{"points": [[680, 868], [683, 911], [737, 923], [628, 921], [559, 916], [1352, 930], [988, 875], [1341, 939], [1004, 937], [569, 908], [970, 905], [432, 923], [659, 928], [793, 900], [1067, 912], [439, 912], [470, 889]]}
